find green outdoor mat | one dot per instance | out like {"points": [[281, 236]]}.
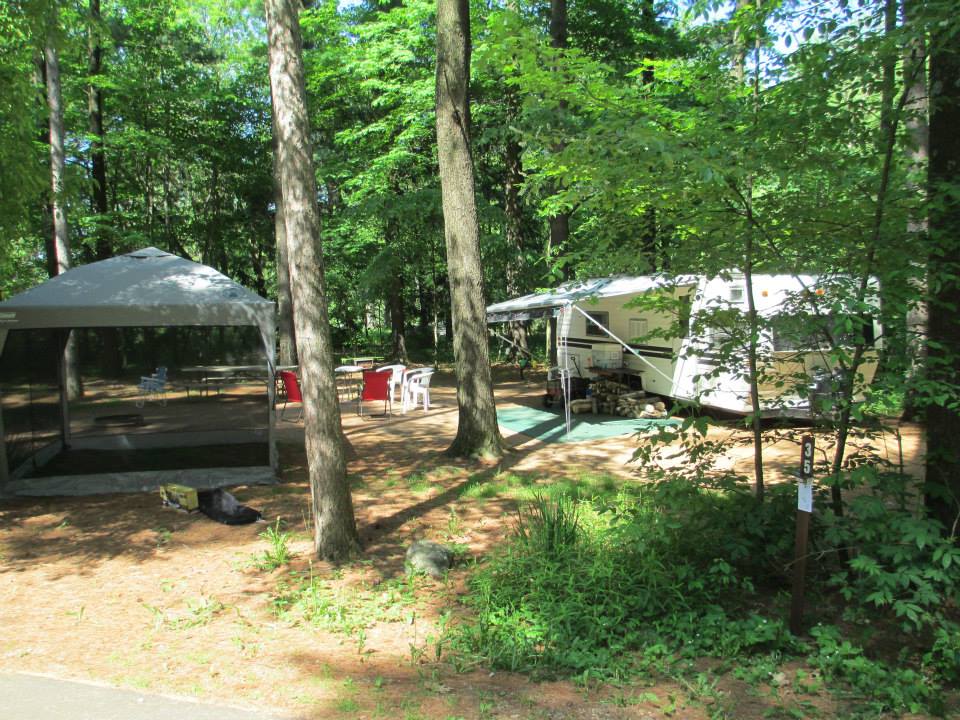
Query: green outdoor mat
{"points": [[549, 426]]}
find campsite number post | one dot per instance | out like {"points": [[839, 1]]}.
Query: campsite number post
{"points": [[804, 510]]}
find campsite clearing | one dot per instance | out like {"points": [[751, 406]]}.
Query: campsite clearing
{"points": [[118, 589]]}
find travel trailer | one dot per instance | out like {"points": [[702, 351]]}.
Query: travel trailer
{"points": [[673, 336]]}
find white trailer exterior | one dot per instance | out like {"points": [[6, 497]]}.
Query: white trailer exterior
{"points": [[686, 368]]}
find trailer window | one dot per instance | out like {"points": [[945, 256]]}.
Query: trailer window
{"points": [[809, 332], [638, 328], [601, 317]]}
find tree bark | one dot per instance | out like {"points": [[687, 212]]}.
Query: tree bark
{"points": [[398, 317], [58, 251], [917, 154], [285, 324], [109, 337], [477, 433], [514, 230], [559, 223], [943, 346], [98, 159], [335, 530]]}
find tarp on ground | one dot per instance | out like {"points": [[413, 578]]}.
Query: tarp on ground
{"points": [[549, 426]]}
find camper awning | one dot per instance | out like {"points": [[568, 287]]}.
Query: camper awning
{"points": [[540, 304], [146, 288]]}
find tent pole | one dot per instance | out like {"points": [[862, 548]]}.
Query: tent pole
{"points": [[563, 332], [63, 336], [4, 469]]}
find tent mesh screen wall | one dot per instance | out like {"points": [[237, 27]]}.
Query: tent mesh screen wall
{"points": [[215, 391], [29, 388]]}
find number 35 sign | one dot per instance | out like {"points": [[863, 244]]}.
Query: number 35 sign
{"points": [[805, 486]]}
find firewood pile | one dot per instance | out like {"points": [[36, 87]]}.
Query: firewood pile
{"points": [[614, 398]]}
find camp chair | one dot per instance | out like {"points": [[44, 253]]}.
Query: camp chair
{"points": [[376, 386], [153, 388], [396, 379], [417, 387], [289, 391]]}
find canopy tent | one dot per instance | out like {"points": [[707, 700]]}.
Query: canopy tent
{"points": [[146, 288]]}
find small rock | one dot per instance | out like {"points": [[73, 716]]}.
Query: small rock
{"points": [[428, 557]]}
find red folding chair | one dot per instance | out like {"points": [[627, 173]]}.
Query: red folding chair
{"points": [[376, 386], [289, 388]]}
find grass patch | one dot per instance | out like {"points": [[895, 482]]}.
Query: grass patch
{"points": [[341, 608], [418, 482]]}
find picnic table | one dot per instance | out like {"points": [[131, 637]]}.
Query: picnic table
{"points": [[364, 362], [349, 381], [216, 376]]}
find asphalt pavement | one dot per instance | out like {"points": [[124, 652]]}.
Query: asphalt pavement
{"points": [[37, 697]]}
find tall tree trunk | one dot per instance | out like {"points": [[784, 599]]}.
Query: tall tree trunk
{"points": [[514, 229], [285, 324], [335, 530], [109, 337], [943, 347], [398, 320], [395, 289], [477, 433], [887, 138], [559, 223], [916, 123], [59, 247], [753, 319], [98, 160]]}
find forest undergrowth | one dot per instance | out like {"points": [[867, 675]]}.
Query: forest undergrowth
{"points": [[655, 580]]}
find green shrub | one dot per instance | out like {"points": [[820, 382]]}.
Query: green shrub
{"points": [[658, 576], [553, 526], [580, 587], [901, 562]]}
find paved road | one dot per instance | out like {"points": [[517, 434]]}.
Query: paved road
{"points": [[35, 697]]}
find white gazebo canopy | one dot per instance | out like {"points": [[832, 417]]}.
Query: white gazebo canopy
{"points": [[145, 288]]}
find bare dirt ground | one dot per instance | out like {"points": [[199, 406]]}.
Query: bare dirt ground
{"points": [[121, 590]]}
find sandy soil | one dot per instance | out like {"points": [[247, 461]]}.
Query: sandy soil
{"points": [[121, 590]]}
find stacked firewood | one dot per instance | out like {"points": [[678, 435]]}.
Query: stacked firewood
{"points": [[609, 397], [614, 398], [640, 407]]}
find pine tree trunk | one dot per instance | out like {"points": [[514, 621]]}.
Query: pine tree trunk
{"points": [[59, 258], [285, 324], [98, 161], [109, 337], [477, 433], [917, 127], [514, 231], [943, 348], [398, 320], [335, 530], [559, 223]]}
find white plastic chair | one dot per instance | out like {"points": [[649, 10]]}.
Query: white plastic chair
{"points": [[396, 380], [153, 388], [417, 387]]}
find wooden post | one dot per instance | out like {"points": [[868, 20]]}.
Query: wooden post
{"points": [[804, 510]]}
